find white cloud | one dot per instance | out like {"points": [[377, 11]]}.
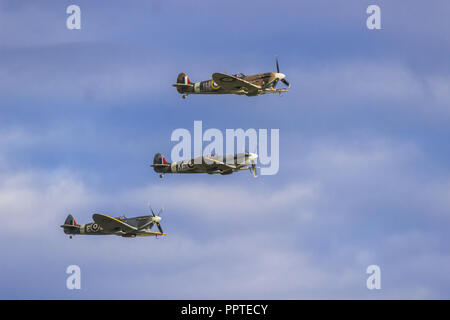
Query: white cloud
{"points": [[249, 257], [31, 202], [54, 193], [359, 154]]}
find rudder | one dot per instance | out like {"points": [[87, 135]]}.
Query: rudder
{"points": [[183, 78], [70, 220], [159, 159]]}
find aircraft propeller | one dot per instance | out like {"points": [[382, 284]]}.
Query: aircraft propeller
{"points": [[253, 169], [283, 79], [155, 219]]}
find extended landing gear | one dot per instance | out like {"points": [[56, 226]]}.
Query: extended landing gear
{"points": [[70, 237], [161, 176], [184, 96]]}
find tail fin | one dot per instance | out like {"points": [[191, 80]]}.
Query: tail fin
{"points": [[183, 78], [70, 226], [159, 159], [160, 164], [183, 84], [70, 221]]}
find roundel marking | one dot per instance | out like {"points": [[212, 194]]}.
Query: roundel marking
{"points": [[214, 85], [95, 227], [191, 164]]}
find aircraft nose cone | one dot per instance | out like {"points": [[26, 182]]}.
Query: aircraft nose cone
{"points": [[253, 156], [280, 76]]}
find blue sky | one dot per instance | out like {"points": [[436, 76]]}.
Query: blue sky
{"points": [[364, 173]]}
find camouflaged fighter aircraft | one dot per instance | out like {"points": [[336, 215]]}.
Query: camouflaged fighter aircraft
{"points": [[221, 83], [211, 165], [121, 226]]}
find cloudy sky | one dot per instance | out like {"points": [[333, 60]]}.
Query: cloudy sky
{"points": [[364, 155]]}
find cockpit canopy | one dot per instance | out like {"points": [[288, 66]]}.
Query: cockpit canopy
{"points": [[239, 75]]}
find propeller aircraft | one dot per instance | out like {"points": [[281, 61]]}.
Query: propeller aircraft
{"points": [[211, 165], [240, 84], [121, 226]]}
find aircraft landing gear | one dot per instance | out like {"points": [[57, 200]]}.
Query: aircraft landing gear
{"points": [[161, 176], [70, 237], [184, 96]]}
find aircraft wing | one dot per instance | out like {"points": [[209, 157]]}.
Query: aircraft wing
{"points": [[151, 233], [232, 83], [221, 165], [111, 224]]}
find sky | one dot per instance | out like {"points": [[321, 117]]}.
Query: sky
{"points": [[364, 176]]}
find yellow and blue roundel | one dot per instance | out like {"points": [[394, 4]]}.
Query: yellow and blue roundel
{"points": [[214, 85], [95, 227]]}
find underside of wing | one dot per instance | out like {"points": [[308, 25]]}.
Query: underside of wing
{"points": [[112, 224], [233, 84], [272, 90], [150, 234]]}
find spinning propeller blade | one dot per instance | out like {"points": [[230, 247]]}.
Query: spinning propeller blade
{"points": [[159, 227], [286, 83], [253, 170], [155, 219]]}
